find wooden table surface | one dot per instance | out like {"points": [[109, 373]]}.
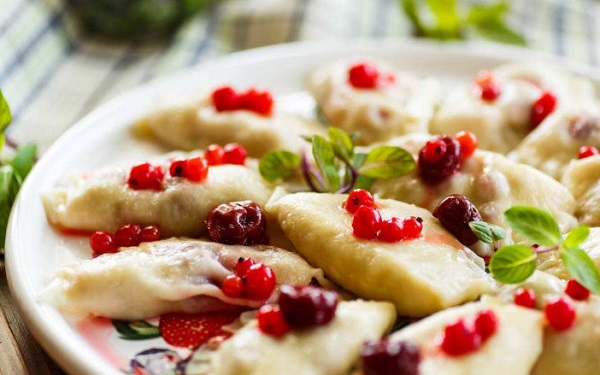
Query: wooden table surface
{"points": [[19, 351]]}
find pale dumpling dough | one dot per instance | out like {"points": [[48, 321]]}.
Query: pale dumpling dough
{"points": [[103, 200], [500, 125], [401, 107], [175, 275], [582, 178], [196, 125], [550, 262], [553, 144], [419, 276], [512, 349], [328, 350], [493, 184]]}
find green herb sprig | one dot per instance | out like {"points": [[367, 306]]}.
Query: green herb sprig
{"points": [[12, 171], [337, 167], [515, 263]]}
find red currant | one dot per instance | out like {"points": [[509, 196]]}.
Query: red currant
{"points": [[460, 339], [486, 324], [146, 176], [560, 314], [489, 89], [391, 230], [150, 233], [260, 282], [196, 169], [468, 143], [234, 154], [177, 168], [525, 298], [357, 198], [242, 266], [225, 99], [542, 107], [577, 291], [436, 162], [214, 154], [271, 321], [233, 286], [260, 102], [412, 227], [128, 235], [363, 76], [434, 150], [366, 222], [587, 151], [102, 243]]}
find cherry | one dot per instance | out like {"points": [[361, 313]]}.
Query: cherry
{"points": [[542, 107], [214, 154], [128, 235], [489, 89], [436, 162], [386, 357], [577, 291], [260, 282], [468, 143], [363, 76], [412, 227], [234, 153], [391, 230], [240, 223], [358, 197], [560, 313], [102, 243], [225, 99], [271, 321], [146, 177], [525, 298], [460, 339], [587, 151], [486, 324], [242, 266], [307, 306], [233, 286], [455, 213], [150, 233], [366, 222]]}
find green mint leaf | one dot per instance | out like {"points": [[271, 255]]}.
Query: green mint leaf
{"points": [[10, 182], [534, 224], [139, 330], [325, 158], [486, 232], [513, 264], [482, 13], [387, 162], [307, 138], [411, 11], [498, 31], [582, 268], [576, 237], [447, 17], [342, 143], [5, 115], [278, 164], [24, 159]]}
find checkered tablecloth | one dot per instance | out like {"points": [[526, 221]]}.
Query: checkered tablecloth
{"points": [[52, 75]]}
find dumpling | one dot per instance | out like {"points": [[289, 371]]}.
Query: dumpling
{"points": [[419, 276], [512, 349], [404, 104], [502, 123], [581, 178], [103, 200], [327, 350], [175, 275], [553, 144], [550, 261], [196, 125]]}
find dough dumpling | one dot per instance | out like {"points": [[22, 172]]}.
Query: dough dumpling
{"points": [[550, 261], [582, 179], [419, 276]]}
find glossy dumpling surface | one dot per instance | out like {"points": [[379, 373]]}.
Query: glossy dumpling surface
{"points": [[581, 178]]}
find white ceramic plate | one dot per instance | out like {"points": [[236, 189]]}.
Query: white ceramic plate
{"points": [[35, 250]]}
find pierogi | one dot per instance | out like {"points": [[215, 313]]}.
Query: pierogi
{"points": [[582, 178], [174, 275], [551, 263]]}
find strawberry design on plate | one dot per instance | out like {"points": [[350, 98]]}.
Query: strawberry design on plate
{"points": [[193, 330]]}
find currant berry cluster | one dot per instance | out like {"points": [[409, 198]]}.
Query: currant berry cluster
{"points": [[442, 156], [367, 76], [487, 86], [250, 280], [463, 337], [128, 235], [455, 213], [587, 151], [368, 224], [299, 307], [237, 223], [386, 357], [227, 99]]}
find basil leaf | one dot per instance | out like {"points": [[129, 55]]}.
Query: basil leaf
{"points": [[10, 182], [24, 159], [139, 330], [534, 224], [582, 268], [576, 237], [342, 143], [486, 232], [325, 158], [513, 264], [5, 115], [278, 164], [387, 162]]}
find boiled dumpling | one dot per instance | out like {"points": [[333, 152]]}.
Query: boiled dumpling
{"points": [[581, 178], [550, 261]]}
